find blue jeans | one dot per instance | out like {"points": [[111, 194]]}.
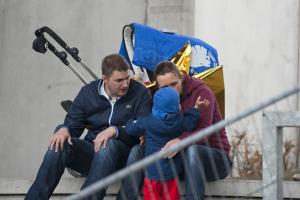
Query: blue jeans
{"points": [[132, 185], [201, 163], [82, 158]]}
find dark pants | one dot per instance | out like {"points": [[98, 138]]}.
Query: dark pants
{"points": [[132, 185], [201, 164], [82, 158]]}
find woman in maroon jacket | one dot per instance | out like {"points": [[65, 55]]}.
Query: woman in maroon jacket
{"points": [[208, 159]]}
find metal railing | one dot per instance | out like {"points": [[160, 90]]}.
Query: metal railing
{"points": [[119, 175]]}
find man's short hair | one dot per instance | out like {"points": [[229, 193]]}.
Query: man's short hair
{"points": [[166, 67], [114, 62]]}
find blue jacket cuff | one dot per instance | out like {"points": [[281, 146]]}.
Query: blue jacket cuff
{"points": [[59, 127]]}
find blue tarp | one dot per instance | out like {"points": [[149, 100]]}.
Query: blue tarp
{"points": [[152, 46]]}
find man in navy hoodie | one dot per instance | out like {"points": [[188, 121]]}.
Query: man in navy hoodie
{"points": [[103, 107]]}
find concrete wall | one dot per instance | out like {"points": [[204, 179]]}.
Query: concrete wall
{"points": [[32, 85], [258, 44], [172, 15]]}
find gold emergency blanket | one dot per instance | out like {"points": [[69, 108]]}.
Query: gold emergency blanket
{"points": [[183, 59], [213, 78]]}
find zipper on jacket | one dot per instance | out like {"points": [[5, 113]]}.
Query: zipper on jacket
{"points": [[112, 102]]}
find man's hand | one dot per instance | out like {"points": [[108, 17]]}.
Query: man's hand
{"points": [[103, 137], [58, 139], [169, 144]]}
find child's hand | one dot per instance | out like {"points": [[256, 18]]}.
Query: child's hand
{"points": [[142, 139], [201, 104]]}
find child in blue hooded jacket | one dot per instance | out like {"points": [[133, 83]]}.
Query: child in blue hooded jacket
{"points": [[162, 125]]}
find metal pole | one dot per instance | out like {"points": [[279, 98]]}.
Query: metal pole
{"points": [[88, 70], [77, 73]]}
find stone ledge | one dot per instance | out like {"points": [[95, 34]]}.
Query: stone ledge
{"points": [[228, 187]]}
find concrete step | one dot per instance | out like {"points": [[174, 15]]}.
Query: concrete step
{"points": [[223, 189]]}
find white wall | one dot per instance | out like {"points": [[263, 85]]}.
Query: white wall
{"points": [[32, 85], [258, 44]]}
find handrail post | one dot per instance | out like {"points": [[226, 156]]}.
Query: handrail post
{"points": [[272, 160], [272, 130]]}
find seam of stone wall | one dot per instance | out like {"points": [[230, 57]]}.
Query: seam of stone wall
{"points": [[193, 5], [146, 12], [298, 64], [298, 82], [1, 27]]}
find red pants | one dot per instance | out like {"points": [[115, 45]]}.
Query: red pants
{"points": [[157, 190]]}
